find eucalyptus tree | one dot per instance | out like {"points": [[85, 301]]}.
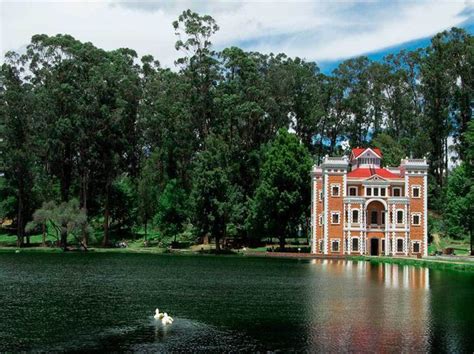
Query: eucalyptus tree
{"points": [[216, 200], [199, 66], [282, 194], [18, 145]]}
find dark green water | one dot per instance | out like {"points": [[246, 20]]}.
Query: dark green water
{"points": [[96, 302]]}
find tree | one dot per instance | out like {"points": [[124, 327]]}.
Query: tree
{"points": [[214, 197], [172, 209], [147, 193], [199, 66], [392, 151], [283, 191], [66, 218], [18, 146]]}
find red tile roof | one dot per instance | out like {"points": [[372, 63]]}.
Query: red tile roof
{"points": [[358, 151], [368, 172]]}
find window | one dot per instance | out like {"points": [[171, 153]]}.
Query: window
{"points": [[353, 191], [320, 219], [382, 192], [383, 217], [320, 195], [415, 192], [416, 247], [355, 215], [321, 246], [416, 219], [368, 192], [335, 217], [335, 190], [399, 245], [383, 245], [376, 192], [399, 216], [355, 244], [373, 217], [396, 192], [335, 246]]}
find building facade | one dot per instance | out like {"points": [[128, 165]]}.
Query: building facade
{"points": [[360, 208]]}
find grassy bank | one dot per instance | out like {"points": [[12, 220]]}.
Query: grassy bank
{"points": [[458, 265]]}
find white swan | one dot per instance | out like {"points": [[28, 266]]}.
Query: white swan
{"points": [[158, 315], [166, 319]]}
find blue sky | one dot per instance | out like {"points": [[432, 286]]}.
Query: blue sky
{"points": [[328, 66], [324, 31]]}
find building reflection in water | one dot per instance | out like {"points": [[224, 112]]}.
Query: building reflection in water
{"points": [[359, 306]]}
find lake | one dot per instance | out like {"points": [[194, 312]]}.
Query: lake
{"points": [[106, 301]]}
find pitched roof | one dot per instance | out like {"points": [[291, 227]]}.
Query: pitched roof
{"points": [[368, 172], [356, 152]]}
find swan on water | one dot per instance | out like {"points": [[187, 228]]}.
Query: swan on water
{"points": [[166, 319], [158, 315]]}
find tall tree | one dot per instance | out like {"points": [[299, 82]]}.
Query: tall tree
{"points": [[18, 132], [214, 197], [281, 197]]}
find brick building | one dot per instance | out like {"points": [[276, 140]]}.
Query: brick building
{"points": [[360, 208]]}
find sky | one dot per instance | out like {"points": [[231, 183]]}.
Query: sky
{"points": [[323, 31]]}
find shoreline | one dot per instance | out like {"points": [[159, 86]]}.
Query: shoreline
{"points": [[464, 264]]}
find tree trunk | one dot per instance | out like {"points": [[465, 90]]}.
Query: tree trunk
{"points": [[218, 245], [146, 224], [105, 241], [43, 227], [64, 238], [281, 239], [83, 202], [20, 229]]}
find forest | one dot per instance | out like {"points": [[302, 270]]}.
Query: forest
{"points": [[97, 145]]}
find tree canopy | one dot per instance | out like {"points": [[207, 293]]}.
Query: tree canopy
{"points": [[222, 145]]}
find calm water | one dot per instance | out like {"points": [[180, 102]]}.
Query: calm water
{"points": [[98, 302]]}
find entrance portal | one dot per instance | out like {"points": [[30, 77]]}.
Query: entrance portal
{"points": [[374, 246]]}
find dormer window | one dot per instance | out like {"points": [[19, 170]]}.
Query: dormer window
{"points": [[368, 157]]}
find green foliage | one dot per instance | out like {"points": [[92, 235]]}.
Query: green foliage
{"points": [[393, 151], [66, 219], [216, 200], [172, 209], [283, 190], [205, 150]]}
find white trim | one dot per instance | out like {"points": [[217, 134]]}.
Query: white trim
{"points": [[357, 221], [398, 188], [352, 244], [412, 250], [326, 214], [403, 217], [425, 215], [397, 238], [338, 185], [417, 186], [419, 218], [338, 241], [353, 188]]}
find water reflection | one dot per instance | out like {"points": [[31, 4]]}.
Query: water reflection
{"points": [[382, 307]]}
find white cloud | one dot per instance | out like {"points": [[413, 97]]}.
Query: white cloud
{"points": [[313, 30]]}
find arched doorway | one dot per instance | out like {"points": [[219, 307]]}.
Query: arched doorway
{"points": [[375, 212]]}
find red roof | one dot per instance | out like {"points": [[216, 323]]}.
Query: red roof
{"points": [[358, 151], [368, 172]]}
